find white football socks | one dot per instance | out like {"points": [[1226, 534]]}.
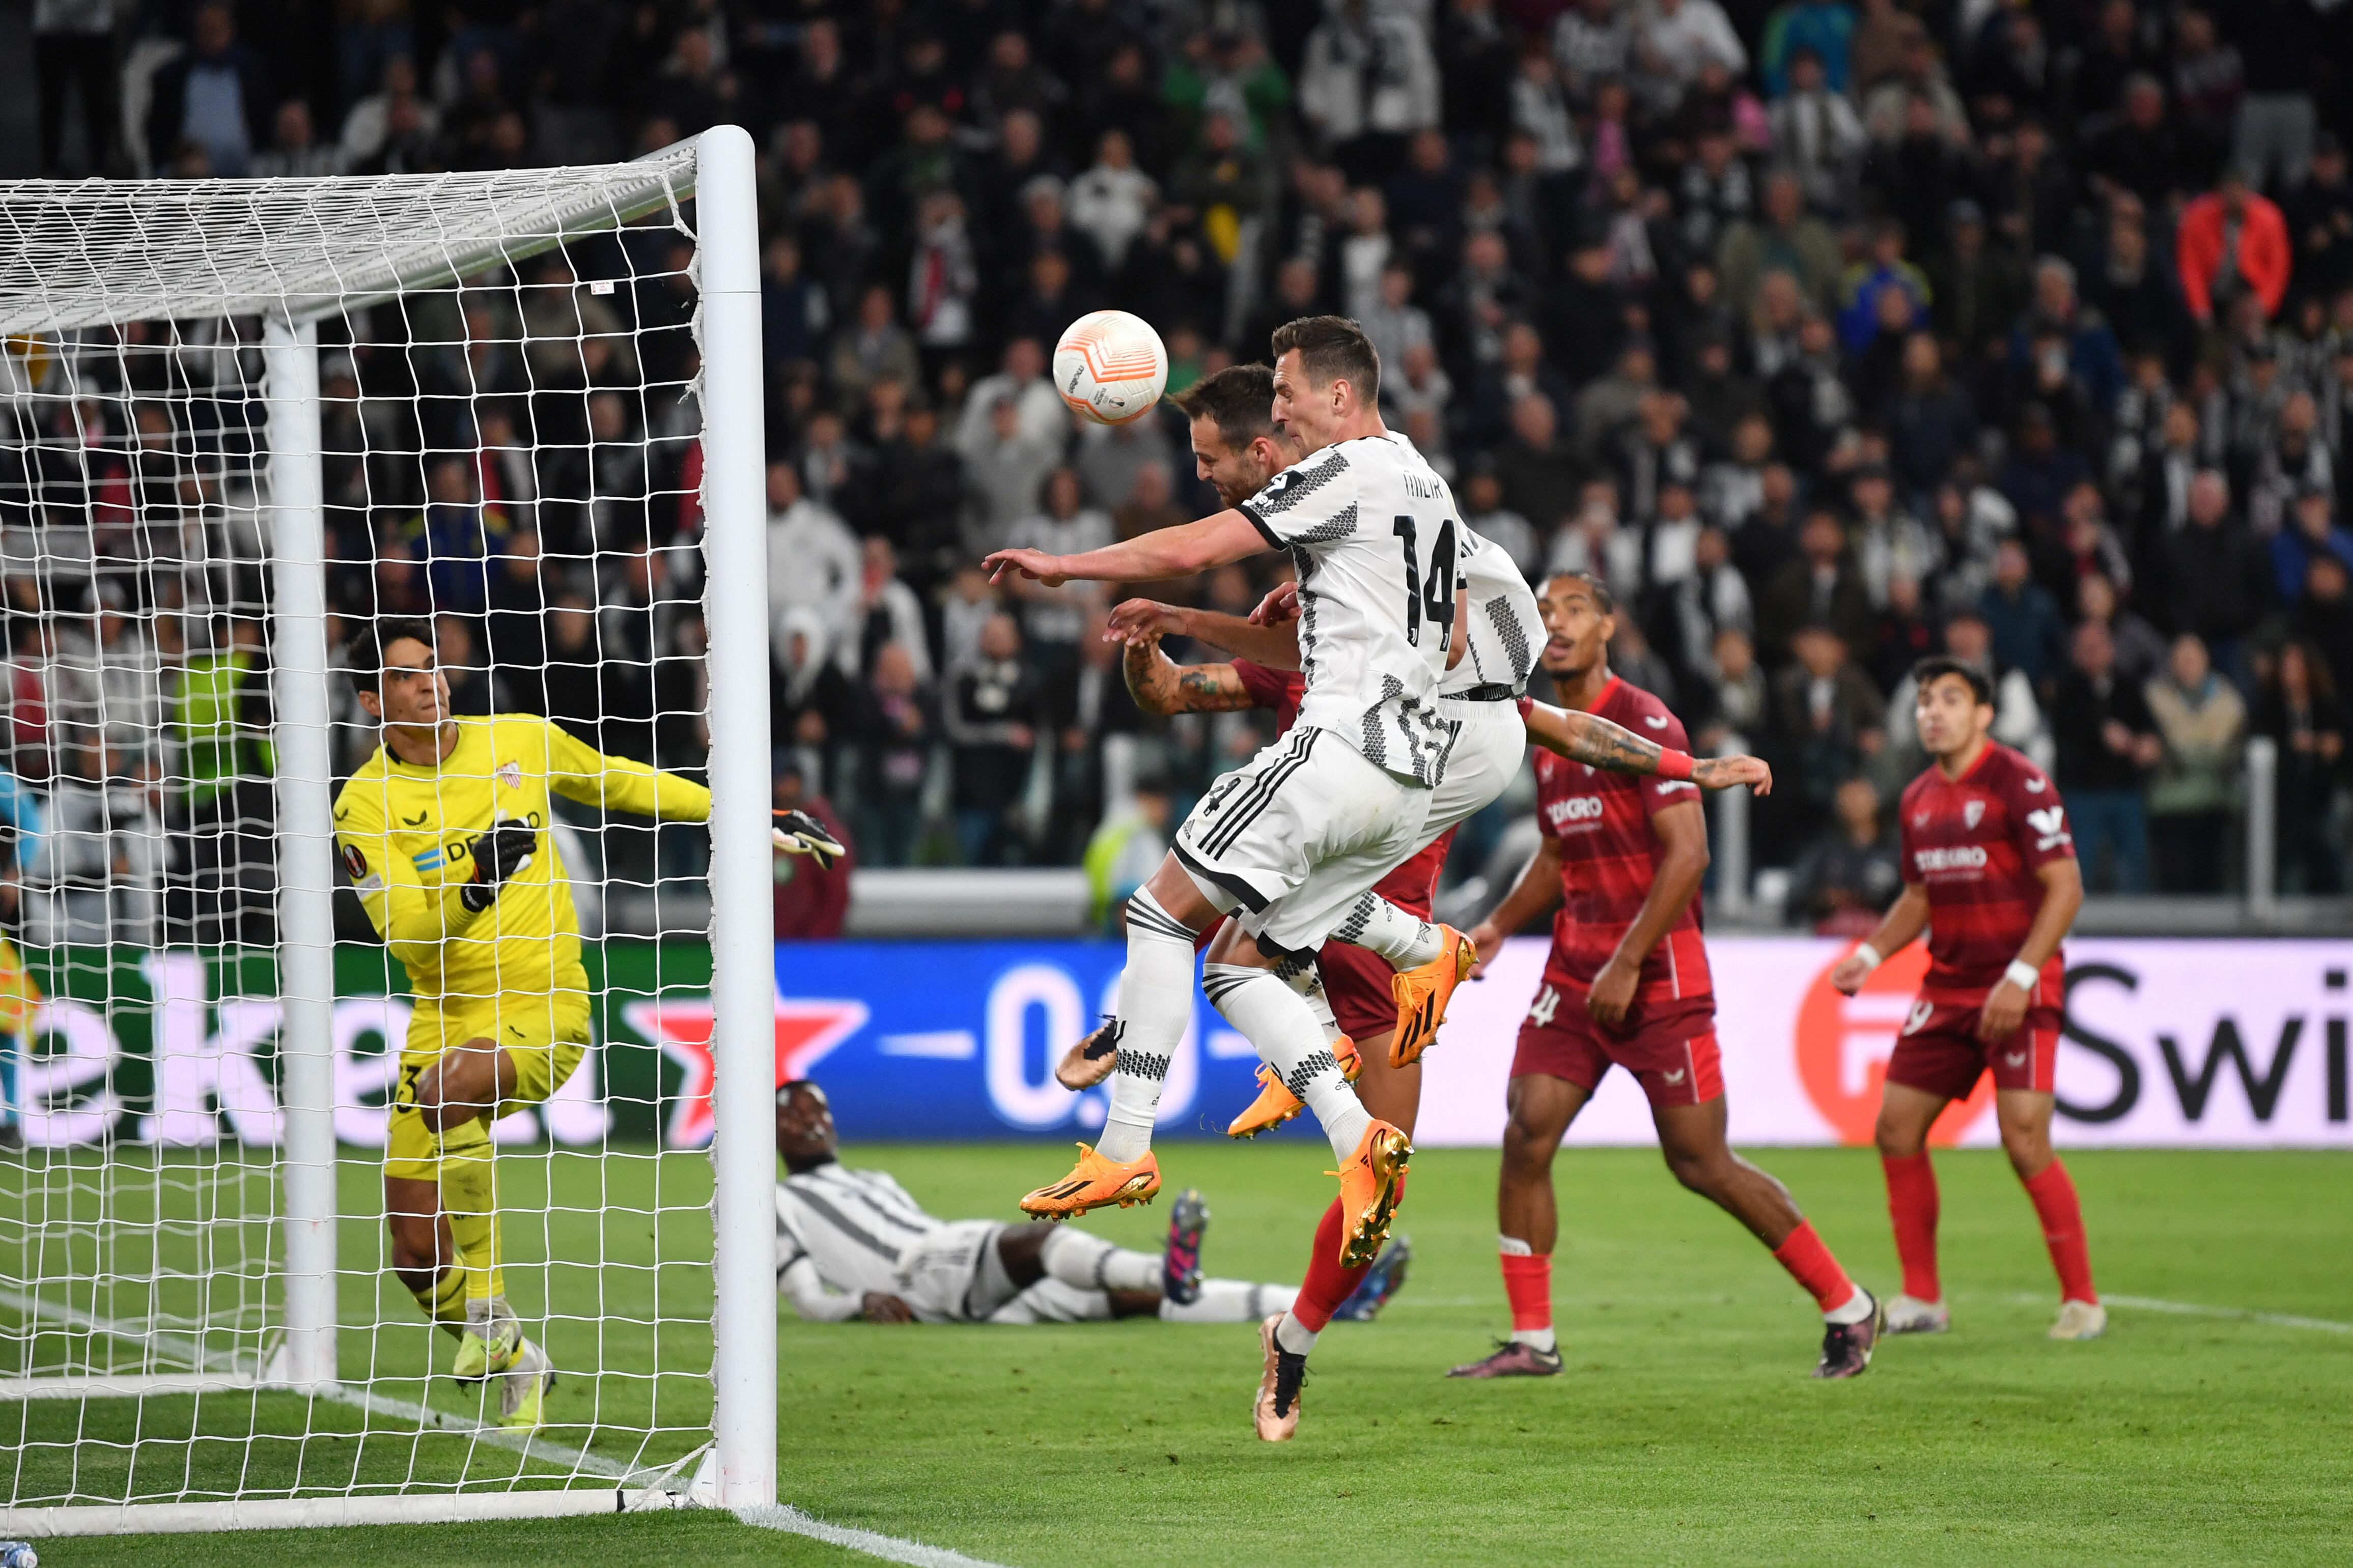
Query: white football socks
{"points": [[1407, 942], [1300, 973], [1273, 1018], [1156, 1000], [1536, 1338], [1293, 1336], [1229, 1301], [1853, 1310], [1090, 1263]]}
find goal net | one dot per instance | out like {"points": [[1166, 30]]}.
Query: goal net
{"points": [[259, 441]]}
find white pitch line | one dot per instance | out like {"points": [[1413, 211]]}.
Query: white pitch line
{"points": [[890, 1548], [2193, 1309], [784, 1517]]}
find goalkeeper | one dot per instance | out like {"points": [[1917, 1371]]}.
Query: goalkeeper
{"points": [[443, 833]]}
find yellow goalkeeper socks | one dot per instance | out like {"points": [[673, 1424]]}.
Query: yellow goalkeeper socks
{"points": [[468, 1198], [445, 1302]]}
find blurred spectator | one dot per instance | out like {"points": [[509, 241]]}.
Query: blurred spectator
{"points": [[2233, 242], [812, 900], [995, 706], [2106, 742], [1053, 619], [2137, 647], [2021, 615], [216, 98], [1902, 633], [2312, 530], [2201, 719], [888, 614], [898, 727], [73, 53], [1821, 587], [1785, 239], [814, 565], [1845, 880], [1816, 131], [1124, 853], [2215, 582], [2297, 707], [1366, 82], [1830, 717]]}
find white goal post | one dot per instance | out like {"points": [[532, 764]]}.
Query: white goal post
{"points": [[237, 1207]]}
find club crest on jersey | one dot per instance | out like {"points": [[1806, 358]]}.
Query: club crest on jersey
{"points": [[509, 775], [1972, 814]]}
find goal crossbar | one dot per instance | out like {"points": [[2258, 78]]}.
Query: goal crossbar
{"points": [[87, 252]]}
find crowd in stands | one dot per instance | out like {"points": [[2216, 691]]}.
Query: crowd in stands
{"points": [[1830, 335]]}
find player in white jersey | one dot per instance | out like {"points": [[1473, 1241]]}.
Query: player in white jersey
{"points": [[854, 1243], [1289, 842]]}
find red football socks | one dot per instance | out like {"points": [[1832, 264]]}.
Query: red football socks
{"points": [[1327, 1284], [2054, 1192], [1912, 1205], [1809, 1263], [1527, 1284]]}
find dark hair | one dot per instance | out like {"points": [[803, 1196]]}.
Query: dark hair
{"points": [[1937, 665], [1239, 400], [1333, 348], [1603, 599], [366, 650]]}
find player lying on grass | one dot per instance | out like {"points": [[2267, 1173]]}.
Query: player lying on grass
{"points": [[1627, 982], [442, 831], [853, 1245], [1990, 870]]}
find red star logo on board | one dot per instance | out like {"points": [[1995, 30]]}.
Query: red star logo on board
{"points": [[806, 1031]]}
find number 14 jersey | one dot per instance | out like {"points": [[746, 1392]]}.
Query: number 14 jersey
{"points": [[1374, 537]]}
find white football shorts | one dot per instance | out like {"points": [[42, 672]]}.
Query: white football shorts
{"points": [[1288, 840]]}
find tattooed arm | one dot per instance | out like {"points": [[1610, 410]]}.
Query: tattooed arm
{"points": [[1584, 738], [1162, 686]]}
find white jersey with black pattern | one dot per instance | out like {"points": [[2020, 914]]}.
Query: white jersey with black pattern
{"points": [[1377, 540], [1506, 627], [857, 1226]]}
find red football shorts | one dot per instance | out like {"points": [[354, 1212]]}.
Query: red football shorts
{"points": [[1939, 1052], [1674, 1057], [1357, 983]]}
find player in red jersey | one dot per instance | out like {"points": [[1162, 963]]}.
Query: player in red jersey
{"points": [[1989, 869], [1627, 982]]}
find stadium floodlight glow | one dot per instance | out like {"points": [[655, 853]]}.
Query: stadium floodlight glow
{"points": [[240, 421]]}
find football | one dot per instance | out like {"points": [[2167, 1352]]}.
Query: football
{"points": [[1110, 366]]}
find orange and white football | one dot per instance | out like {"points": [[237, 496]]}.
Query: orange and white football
{"points": [[1111, 367]]}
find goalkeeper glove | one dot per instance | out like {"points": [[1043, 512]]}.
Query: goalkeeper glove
{"points": [[500, 854], [799, 833]]}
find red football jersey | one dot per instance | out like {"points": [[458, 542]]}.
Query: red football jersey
{"points": [[1414, 883], [1975, 844], [1609, 855]]}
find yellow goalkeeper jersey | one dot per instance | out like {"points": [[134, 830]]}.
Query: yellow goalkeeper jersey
{"points": [[406, 832]]}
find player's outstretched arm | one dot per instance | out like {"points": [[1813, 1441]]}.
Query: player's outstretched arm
{"points": [[1177, 551], [1273, 645], [1535, 893], [1906, 919], [812, 1299], [1161, 686], [577, 771], [1612, 748]]}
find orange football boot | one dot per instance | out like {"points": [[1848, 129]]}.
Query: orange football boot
{"points": [[1276, 1104], [1369, 1192], [1423, 994], [1095, 1183]]}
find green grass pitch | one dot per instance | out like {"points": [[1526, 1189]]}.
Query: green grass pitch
{"points": [[1684, 1429]]}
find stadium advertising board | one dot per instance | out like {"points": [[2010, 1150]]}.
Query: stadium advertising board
{"points": [[2229, 1043]]}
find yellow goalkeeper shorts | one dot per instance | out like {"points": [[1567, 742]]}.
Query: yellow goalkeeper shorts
{"points": [[545, 1037]]}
